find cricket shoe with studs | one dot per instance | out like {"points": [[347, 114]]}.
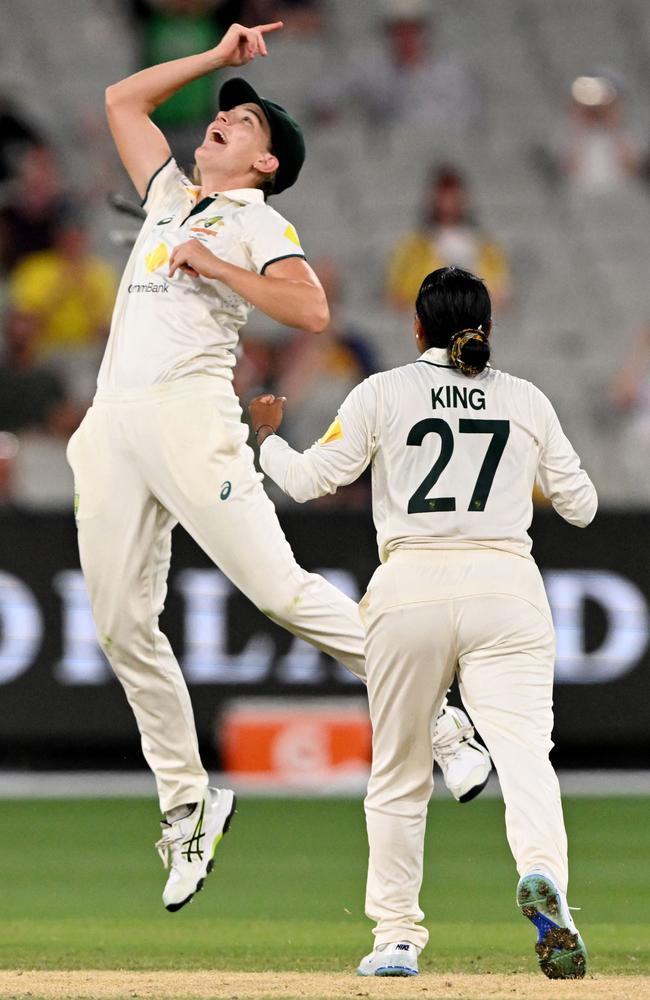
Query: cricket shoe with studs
{"points": [[187, 846], [399, 959], [560, 949], [465, 763]]}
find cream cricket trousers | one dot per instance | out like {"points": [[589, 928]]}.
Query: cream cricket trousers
{"points": [[176, 453], [483, 614]]}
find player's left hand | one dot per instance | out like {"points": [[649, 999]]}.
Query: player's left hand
{"points": [[194, 259], [267, 411]]}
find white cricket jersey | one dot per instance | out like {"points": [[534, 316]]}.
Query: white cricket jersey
{"points": [[164, 329], [454, 459]]}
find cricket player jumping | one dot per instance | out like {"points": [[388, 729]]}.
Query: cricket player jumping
{"points": [[164, 442], [455, 447]]}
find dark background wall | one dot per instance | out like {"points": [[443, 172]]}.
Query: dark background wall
{"points": [[60, 705]]}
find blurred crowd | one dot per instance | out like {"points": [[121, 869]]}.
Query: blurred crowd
{"points": [[58, 281]]}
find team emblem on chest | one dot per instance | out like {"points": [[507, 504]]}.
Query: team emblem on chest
{"points": [[210, 227]]}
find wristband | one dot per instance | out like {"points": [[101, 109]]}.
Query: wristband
{"points": [[261, 427]]}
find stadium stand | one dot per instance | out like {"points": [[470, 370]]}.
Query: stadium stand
{"points": [[579, 264]]}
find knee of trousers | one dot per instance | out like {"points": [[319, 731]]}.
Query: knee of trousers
{"points": [[284, 600], [399, 791], [513, 737], [124, 633]]}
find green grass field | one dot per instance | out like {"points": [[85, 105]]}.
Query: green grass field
{"points": [[81, 887]]}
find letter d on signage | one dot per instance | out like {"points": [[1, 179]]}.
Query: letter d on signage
{"points": [[628, 624]]}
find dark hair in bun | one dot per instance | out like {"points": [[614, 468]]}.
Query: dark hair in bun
{"points": [[469, 351], [455, 311]]}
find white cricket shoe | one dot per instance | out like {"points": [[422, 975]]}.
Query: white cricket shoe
{"points": [[464, 763], [399, 959], [187, 845]]}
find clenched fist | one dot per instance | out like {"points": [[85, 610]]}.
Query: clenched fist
{"points": [[266, 415]]}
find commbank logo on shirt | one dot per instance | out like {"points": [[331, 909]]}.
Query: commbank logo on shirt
{"points": [[149, 286]]}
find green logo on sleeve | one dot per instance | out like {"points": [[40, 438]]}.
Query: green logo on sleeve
{"points": [[226, 490]]}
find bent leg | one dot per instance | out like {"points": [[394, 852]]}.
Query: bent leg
{"points": [[235, 523], [506, 659]]}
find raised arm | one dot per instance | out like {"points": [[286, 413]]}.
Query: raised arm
{"points": [[129, 103]]}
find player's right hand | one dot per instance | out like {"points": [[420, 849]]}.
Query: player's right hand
{"points": [[266, 411], [239, 44]]}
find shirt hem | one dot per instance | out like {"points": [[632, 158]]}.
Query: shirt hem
{"points": [[423, 547]]}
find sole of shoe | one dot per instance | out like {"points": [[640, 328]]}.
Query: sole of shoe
{"points": [[175, 907], [473, 792], [560, 951], [386, 971], [395, 970]]}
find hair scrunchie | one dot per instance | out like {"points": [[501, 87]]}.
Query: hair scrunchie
{"points": [[457, 345]]}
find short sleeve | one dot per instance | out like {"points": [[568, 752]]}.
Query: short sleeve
{"points": [[164, 187], [270, 238]]}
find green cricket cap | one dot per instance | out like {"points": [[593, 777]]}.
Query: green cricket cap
{"points": [[287, 140]]}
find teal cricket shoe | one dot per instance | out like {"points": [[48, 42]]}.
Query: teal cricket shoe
{"points": [[399, 959], [560, 949]]}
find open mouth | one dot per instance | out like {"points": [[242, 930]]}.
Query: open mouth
{"points": [[216, 135]]}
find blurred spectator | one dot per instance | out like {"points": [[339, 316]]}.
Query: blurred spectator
{"points": [[31, 396], [301, 17], [447, 234], [66, 291], [36, 420], [409, 83], [33, 208], [17, 135], [630, 394], [596, 152], [170, 29], [8, 451], [317, 373], [630, 389], [254, 372]]}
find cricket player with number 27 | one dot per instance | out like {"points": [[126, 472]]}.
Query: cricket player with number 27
{"points": [[455, 447], [164, 442]]}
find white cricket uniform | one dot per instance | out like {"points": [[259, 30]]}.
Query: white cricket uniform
{"points": [[164, 443], [454, 460]]}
